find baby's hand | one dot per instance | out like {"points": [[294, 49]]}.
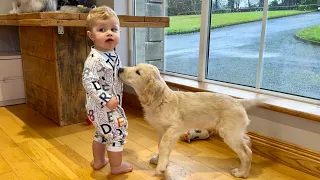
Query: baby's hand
{"points": [[113, 103]]}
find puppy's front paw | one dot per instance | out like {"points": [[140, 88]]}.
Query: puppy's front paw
{"points": [[154, 159], [160, 171], [236, 173], [161, 168]]}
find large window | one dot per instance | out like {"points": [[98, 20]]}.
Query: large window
{"points": [[234, 42], [269, 45], [183, 37], [179, 43], [291, 62]]}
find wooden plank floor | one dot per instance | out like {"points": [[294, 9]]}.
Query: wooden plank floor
{"points": [[32, 147]]}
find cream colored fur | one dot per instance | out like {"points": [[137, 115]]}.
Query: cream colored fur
{"points": [[172, 113], [28, 6]]}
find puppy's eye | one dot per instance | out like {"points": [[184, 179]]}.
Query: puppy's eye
{"points": [[137, 72]]}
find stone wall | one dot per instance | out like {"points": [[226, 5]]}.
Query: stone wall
{"points": [[149, 41]]}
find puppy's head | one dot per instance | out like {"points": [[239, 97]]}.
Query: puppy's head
{"points": [[145, 79]]}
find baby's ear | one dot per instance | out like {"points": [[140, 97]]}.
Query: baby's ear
{"points": [[90, 35]]}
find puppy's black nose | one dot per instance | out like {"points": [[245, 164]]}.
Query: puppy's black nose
{"points": [[121, 70]]}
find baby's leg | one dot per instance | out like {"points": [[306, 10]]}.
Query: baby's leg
{"points": [[99, 141], [117, 165], [115, 149], [99, 153]]}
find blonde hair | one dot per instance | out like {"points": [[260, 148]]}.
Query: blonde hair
{"points": [[100, 13]]}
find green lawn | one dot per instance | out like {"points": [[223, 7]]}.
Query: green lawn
{"points": [[191, 23], [312, 33]]}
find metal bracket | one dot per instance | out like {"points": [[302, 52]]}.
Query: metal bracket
{"points": [[60, 30]]}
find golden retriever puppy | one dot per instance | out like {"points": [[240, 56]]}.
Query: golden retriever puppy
{"points": [[172, 113]]}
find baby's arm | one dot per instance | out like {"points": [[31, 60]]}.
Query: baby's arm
{"points": [[90, 81]]}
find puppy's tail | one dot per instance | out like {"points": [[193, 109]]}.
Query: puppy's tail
{"points": [[250, 103]]}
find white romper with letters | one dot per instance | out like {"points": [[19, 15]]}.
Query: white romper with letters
{"points": [[101, 81]]}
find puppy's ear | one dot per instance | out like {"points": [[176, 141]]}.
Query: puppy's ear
{"points": [[148, 93]]}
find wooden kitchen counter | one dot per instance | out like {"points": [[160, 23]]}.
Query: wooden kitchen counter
{"points": [[53, 63], [48, 19]]}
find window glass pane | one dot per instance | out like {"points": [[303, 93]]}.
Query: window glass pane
{"points": [[291, 61], [182, 37], [235, 41]]}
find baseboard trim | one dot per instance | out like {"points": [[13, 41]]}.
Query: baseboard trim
{"points": [[291, 155], [12, 102]]}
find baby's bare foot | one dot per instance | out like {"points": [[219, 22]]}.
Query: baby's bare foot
{"points": [[99, 164], [123, 168]]}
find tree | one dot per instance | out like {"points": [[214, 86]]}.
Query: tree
{"points": [[216, 4], [237, 3], [261, 2], [274, 3], [231, 4]]}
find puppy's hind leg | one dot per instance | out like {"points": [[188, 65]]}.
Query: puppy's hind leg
{"points": [[246, 139], [167, 142], [238, 144]]}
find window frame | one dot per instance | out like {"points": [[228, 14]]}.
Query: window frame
{"points": [[204, 53]]}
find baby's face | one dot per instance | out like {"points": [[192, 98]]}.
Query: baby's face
{"points": [[105, 34]]}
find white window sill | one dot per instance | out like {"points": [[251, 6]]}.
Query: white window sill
{"points": [[292, 107]]}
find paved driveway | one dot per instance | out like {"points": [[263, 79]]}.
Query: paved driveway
{"points": [[289, 66]]}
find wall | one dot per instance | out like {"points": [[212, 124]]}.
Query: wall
{"points": [[106, 2], [289, 128], [149, 41], [6, 6]]}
